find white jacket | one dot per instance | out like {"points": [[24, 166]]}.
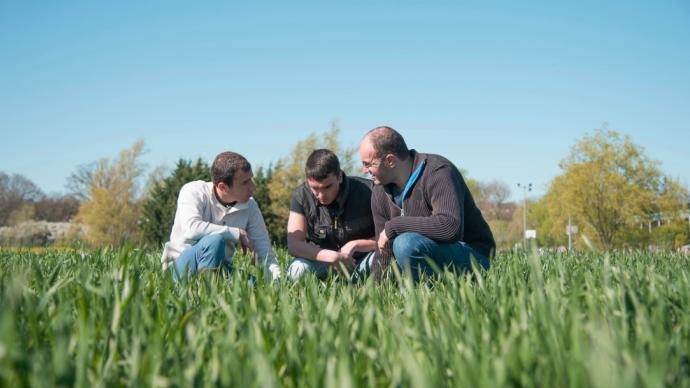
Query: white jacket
{"points": [[199, 213]]}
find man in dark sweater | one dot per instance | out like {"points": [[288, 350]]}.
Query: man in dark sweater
{"points": [[330, 224], [422, 209]]}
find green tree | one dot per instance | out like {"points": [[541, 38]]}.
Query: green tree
{"points": [[158, 209], [548, 234], [288, 173], [274, 223], [112, 210], [610, 188], [668, 212]]}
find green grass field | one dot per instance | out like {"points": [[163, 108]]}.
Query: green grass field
{"points": [[112, 318]]}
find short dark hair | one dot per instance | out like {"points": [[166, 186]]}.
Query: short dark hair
{"points": [[321, 163], [387, 140], [225, 165]]}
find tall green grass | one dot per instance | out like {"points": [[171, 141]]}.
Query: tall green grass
{"points": [[95, 318]]}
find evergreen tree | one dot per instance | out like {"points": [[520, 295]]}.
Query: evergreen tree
{"points": [[262, 179], [158, 210]]}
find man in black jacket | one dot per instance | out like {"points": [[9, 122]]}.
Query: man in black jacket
{"points": [[330, 224], [422, 208]]}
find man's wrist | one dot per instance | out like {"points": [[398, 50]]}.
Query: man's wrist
{"points": [[325, 255]]}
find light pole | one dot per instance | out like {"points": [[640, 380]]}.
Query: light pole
{"points": [[570, 230], [525, 188]]}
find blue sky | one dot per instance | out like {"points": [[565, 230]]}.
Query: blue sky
{"points": [[502, 88]]}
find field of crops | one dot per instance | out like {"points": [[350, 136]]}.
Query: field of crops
{"points": [[113, 318]]}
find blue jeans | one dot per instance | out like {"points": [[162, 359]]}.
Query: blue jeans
{"points": [[412, 250], [207, 253], [299, 267]]}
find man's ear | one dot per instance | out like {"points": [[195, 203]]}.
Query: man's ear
{"points": [[390, 160], [222, 186]]}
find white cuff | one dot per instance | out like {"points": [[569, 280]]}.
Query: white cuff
{"points": [[234, 234]]}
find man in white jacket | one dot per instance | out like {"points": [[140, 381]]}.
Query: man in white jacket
{"points": [[213, 217]]}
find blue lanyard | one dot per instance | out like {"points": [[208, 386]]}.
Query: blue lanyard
{"points": [[410, 183]]}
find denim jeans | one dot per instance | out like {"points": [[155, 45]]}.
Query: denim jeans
{"points": [[207, 253], [299, 267], [412, 250]]}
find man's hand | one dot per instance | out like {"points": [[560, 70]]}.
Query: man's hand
{"points": [[247, 243], [338, 260], [345, 264], [349, 248], [384, 244]]}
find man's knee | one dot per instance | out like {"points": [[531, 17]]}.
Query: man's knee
{"points": [[214, 250], [407, 248], [213, 241]]}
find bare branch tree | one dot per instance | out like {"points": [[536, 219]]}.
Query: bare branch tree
{"points": [[16, 190], [79, 181]]}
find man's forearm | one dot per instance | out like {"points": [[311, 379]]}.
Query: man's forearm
{"points": [[440, 228], [195, 229], [309, 251], [365, 245]]}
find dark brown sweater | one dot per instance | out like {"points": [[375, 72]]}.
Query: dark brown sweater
{"points": [[439, 206]]}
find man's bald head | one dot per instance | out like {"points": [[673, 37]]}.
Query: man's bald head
{"points": [[387, 140]]}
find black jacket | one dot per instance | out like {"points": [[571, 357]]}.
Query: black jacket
{"points": [[347, 218]]}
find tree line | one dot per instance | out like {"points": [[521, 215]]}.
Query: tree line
{"points": [[616, 195]]}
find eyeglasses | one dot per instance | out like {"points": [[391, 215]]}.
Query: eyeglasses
{"points": [[371, 164]]}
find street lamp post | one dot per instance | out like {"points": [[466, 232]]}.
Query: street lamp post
{"points": [[570, 230], [525, 188]]}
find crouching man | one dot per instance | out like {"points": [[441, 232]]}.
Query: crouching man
{"points": [[424, 213], [330, 226], [213, 217]]}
